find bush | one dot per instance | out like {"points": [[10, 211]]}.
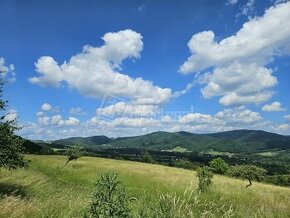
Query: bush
{"points": [[74, 153], [219, 166], [183, 163], [11, 149], [110, 199], [205, 176], [249, 172], [147, 157]]}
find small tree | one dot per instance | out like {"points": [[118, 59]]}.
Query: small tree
{"points": [[205, 176], [147, 157], [184, 163], [11, 156], [109, 199], [74, 153], [219, 166], [249, 172]]}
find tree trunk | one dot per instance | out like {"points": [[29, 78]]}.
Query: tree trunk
{"points": [[250, 183]]}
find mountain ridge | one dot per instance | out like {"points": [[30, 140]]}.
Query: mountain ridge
{"points": [[235, 141]]}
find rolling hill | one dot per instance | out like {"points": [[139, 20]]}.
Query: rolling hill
{"points": [[46, 189], [236, 141]]}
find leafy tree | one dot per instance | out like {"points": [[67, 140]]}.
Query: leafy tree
{"points": [[219, 166], [74, 153], [184, 163], [11, 156], [110, 199], [249, 172], [205, 176], [147, 157]]}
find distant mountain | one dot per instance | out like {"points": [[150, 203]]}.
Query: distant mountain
{"points": [[236, 141], [267, 139], [86, 141]]}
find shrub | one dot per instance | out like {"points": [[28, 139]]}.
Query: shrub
{"points": [[219, 166], [74, 153], [147, 157], [11, 148], [249, 172], [110, 199], [205, 176], [183, 163]]}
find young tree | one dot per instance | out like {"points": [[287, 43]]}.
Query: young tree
{"points": [[249, 172], [205, 176], [74, 153], [219, 166], [110, 199], [11, 156], [147, 157]]}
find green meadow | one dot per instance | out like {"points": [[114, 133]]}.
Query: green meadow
{"points": [[47, 189]]}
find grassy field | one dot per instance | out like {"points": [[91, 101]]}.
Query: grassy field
{"points": [[46, 189]]}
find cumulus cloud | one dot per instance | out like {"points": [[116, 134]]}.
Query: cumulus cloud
{"points": [[46, 107], [275, 106], [95, 71], [196, 118], [76, 111], [232, 2], [240, 61], [125, 109], [56, 126], [239, 117], [284, 127], [7, 72], [11, 115], [287, 117], [57, 120]]}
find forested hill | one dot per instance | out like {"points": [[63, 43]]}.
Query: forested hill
{"points": [[235, 141]]}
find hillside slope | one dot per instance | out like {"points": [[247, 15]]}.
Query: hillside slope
{"points": [[46, 189], [232, 141]]}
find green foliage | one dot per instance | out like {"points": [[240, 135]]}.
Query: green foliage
{"points": [[183, 163], [147, 157], [110, 199], [237, 141], [205, 176], [219, 166], [74, 153], [11, 156], [249, 172]]}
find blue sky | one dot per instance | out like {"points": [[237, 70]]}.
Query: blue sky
{"points": [[123, 68]]}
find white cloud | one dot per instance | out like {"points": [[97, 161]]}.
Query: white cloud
{"points": [[240, 61], [275, 106], [232, 98], [39, 113], [94, 72], [72, 121], [46, 107], [284, 127], [57, 120], [76, 111], [232, 2], [287, 117], [228, 119], [11, 115], [196, 118], [248, 9], [239, 117], [7, 72], [124, 109]]}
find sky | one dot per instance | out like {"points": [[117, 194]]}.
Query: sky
{"points": [[124, 68]]}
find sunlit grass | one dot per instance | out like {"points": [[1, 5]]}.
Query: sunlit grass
{"points": [[47, 189]]}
